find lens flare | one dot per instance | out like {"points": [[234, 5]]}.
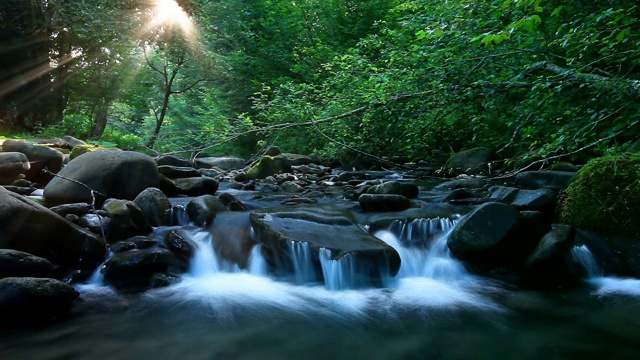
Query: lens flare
{"points": [[169, 13]]}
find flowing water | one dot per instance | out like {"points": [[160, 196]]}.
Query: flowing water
{"points": [[433, 309]]}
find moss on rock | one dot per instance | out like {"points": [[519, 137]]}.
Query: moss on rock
{"points": [[605, 196]]}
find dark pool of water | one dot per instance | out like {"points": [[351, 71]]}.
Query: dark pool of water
{"points": [[248, 317]]}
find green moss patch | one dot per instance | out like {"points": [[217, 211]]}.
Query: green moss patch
{"points": [[605, 196]]}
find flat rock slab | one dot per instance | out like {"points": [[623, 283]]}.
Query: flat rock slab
{"points": [[319, 229]]}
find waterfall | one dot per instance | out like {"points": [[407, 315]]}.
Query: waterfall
{"points": [[257, 264], [583, 256], [422, 245], [178, 215], [338, 274], [205, 260], [304, 269]]}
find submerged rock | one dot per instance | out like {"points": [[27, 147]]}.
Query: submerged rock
{"points": [[34, 299], [383, 202], [326, 233]]}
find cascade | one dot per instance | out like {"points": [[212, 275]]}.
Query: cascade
{"points": [[205, 261], [422, 245], [178, 215], [257, 264], [304, 269], [583, 256], [339, 274]]}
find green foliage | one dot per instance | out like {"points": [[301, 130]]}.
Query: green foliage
{"points": [[605, 196]]}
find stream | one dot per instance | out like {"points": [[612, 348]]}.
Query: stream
{"points": [[433, 309]]}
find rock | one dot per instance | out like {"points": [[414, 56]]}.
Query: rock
{"points": [[71, 141], [40, 156], [34, 299], [550, 264], [181, 245], [381, 203], [297, 160], [557, 180], [86, 148], [133, 270], [540, 199], [78, 209], [328, 235], [268, 166], [30, 227], [15, 263], [173, 161], [13, 165], [227, 163], [115, 174], [493, 235], [471, 161], [202, 210], [273, 151], [232, 237], [291, 187], [232, 203], [405, 189], [97, 224], [155, 206], [127, 220], [196, 186], [464, 183], [175, 172], [564, 166]]}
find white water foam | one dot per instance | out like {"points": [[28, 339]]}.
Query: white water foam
{"points": [[605, 285]]}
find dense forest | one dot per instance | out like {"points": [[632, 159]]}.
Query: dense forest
{"points": [[404, 79]]}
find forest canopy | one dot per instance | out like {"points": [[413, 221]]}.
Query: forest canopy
{"points": [[409, 80]]}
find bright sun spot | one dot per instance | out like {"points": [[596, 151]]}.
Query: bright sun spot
{"points": [[169, 13]]}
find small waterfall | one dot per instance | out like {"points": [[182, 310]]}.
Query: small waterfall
{"points": [[257, 264], [422, 245], [205, 260], [338, 274], [304, 269], [178, 215], [583, 256]]}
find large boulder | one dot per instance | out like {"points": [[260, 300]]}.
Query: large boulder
{"points": [[155, 206], [328, 239], [40, 156], [493, 235], [15, 263], [223, 162], [85, 148], [114, 174], [34, 299], [297, 159], [13, 165], [471, 161], [30, 227]]}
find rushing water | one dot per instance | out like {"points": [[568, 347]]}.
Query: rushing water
{"points": [[433, 309]]}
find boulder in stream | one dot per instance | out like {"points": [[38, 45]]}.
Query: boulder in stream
{"points": [[13, 165], [15, 263], [34, 299], [134, 270], [40, 157]]}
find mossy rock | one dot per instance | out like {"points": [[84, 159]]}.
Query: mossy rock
{"points": [[268, 166], [605, 196], [83, 149]]}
